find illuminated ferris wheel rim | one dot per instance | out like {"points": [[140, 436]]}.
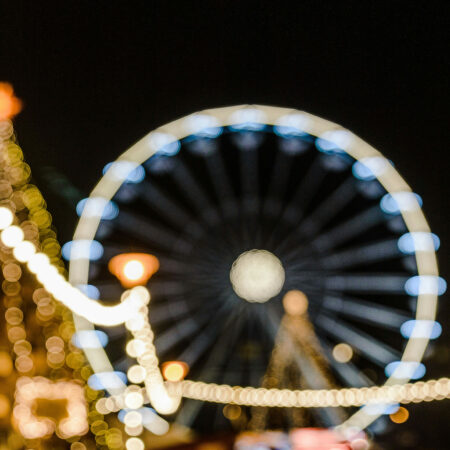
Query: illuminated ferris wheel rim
{"points": [[293, 121]]}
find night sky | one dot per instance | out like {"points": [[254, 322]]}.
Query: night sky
{"points": [[95, 76]]}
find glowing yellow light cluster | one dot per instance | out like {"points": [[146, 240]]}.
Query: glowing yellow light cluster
{"points": [[29, 391], [27, 211]]}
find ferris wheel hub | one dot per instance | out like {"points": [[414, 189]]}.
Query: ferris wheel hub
{"points": [[257, 276]]}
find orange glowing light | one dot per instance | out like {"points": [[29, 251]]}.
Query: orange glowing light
{"points": [[133, 269], [174, 370], [295, 302], [232, 412], [9, 104], [400, 416]]}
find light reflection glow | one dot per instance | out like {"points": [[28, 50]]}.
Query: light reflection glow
{"points": [[397, 202], [418, 241], [95, 206], [90, 339], [421, 329], [425, 284], [125, 171], [82, 249], [405, 369], [370, 168], [107, 380]]}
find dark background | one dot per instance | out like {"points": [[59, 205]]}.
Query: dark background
{"points": [[96, 76]]}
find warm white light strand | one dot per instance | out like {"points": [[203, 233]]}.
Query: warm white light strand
{"points": [[325, 398], [38, 263]]}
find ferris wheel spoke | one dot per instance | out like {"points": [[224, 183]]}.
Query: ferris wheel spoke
{"points": [[343, 232], [198, 279], [248, 159], [219, 353], [372, 349], [179, 331], [172, 310], [207, 257], [193, 290], [179, 306], [151, 234], [365, 311], [167, 288], [270, 319], [194, 193], [221, 183], [224, 194], [188, 326], [363, 254], [304, 194], [334, 203], [223, 347], [294, 210], [207, 337], [347, 372], [349, 229], [254, 372], [175, 334], [171, 264], [231, 373], [329, 207], [164, 205], [277, 185], [369, 283]]}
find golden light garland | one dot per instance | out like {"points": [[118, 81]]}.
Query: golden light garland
{"points": [[421, 391], [38, 398], [49, 352]]}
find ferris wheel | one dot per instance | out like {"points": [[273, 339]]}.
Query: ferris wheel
{"points": [[279, 250]]}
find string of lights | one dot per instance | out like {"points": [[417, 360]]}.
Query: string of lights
{"points": [[331, 136], [132, 309], [140, 327], [421, 391], [49, 382]]}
